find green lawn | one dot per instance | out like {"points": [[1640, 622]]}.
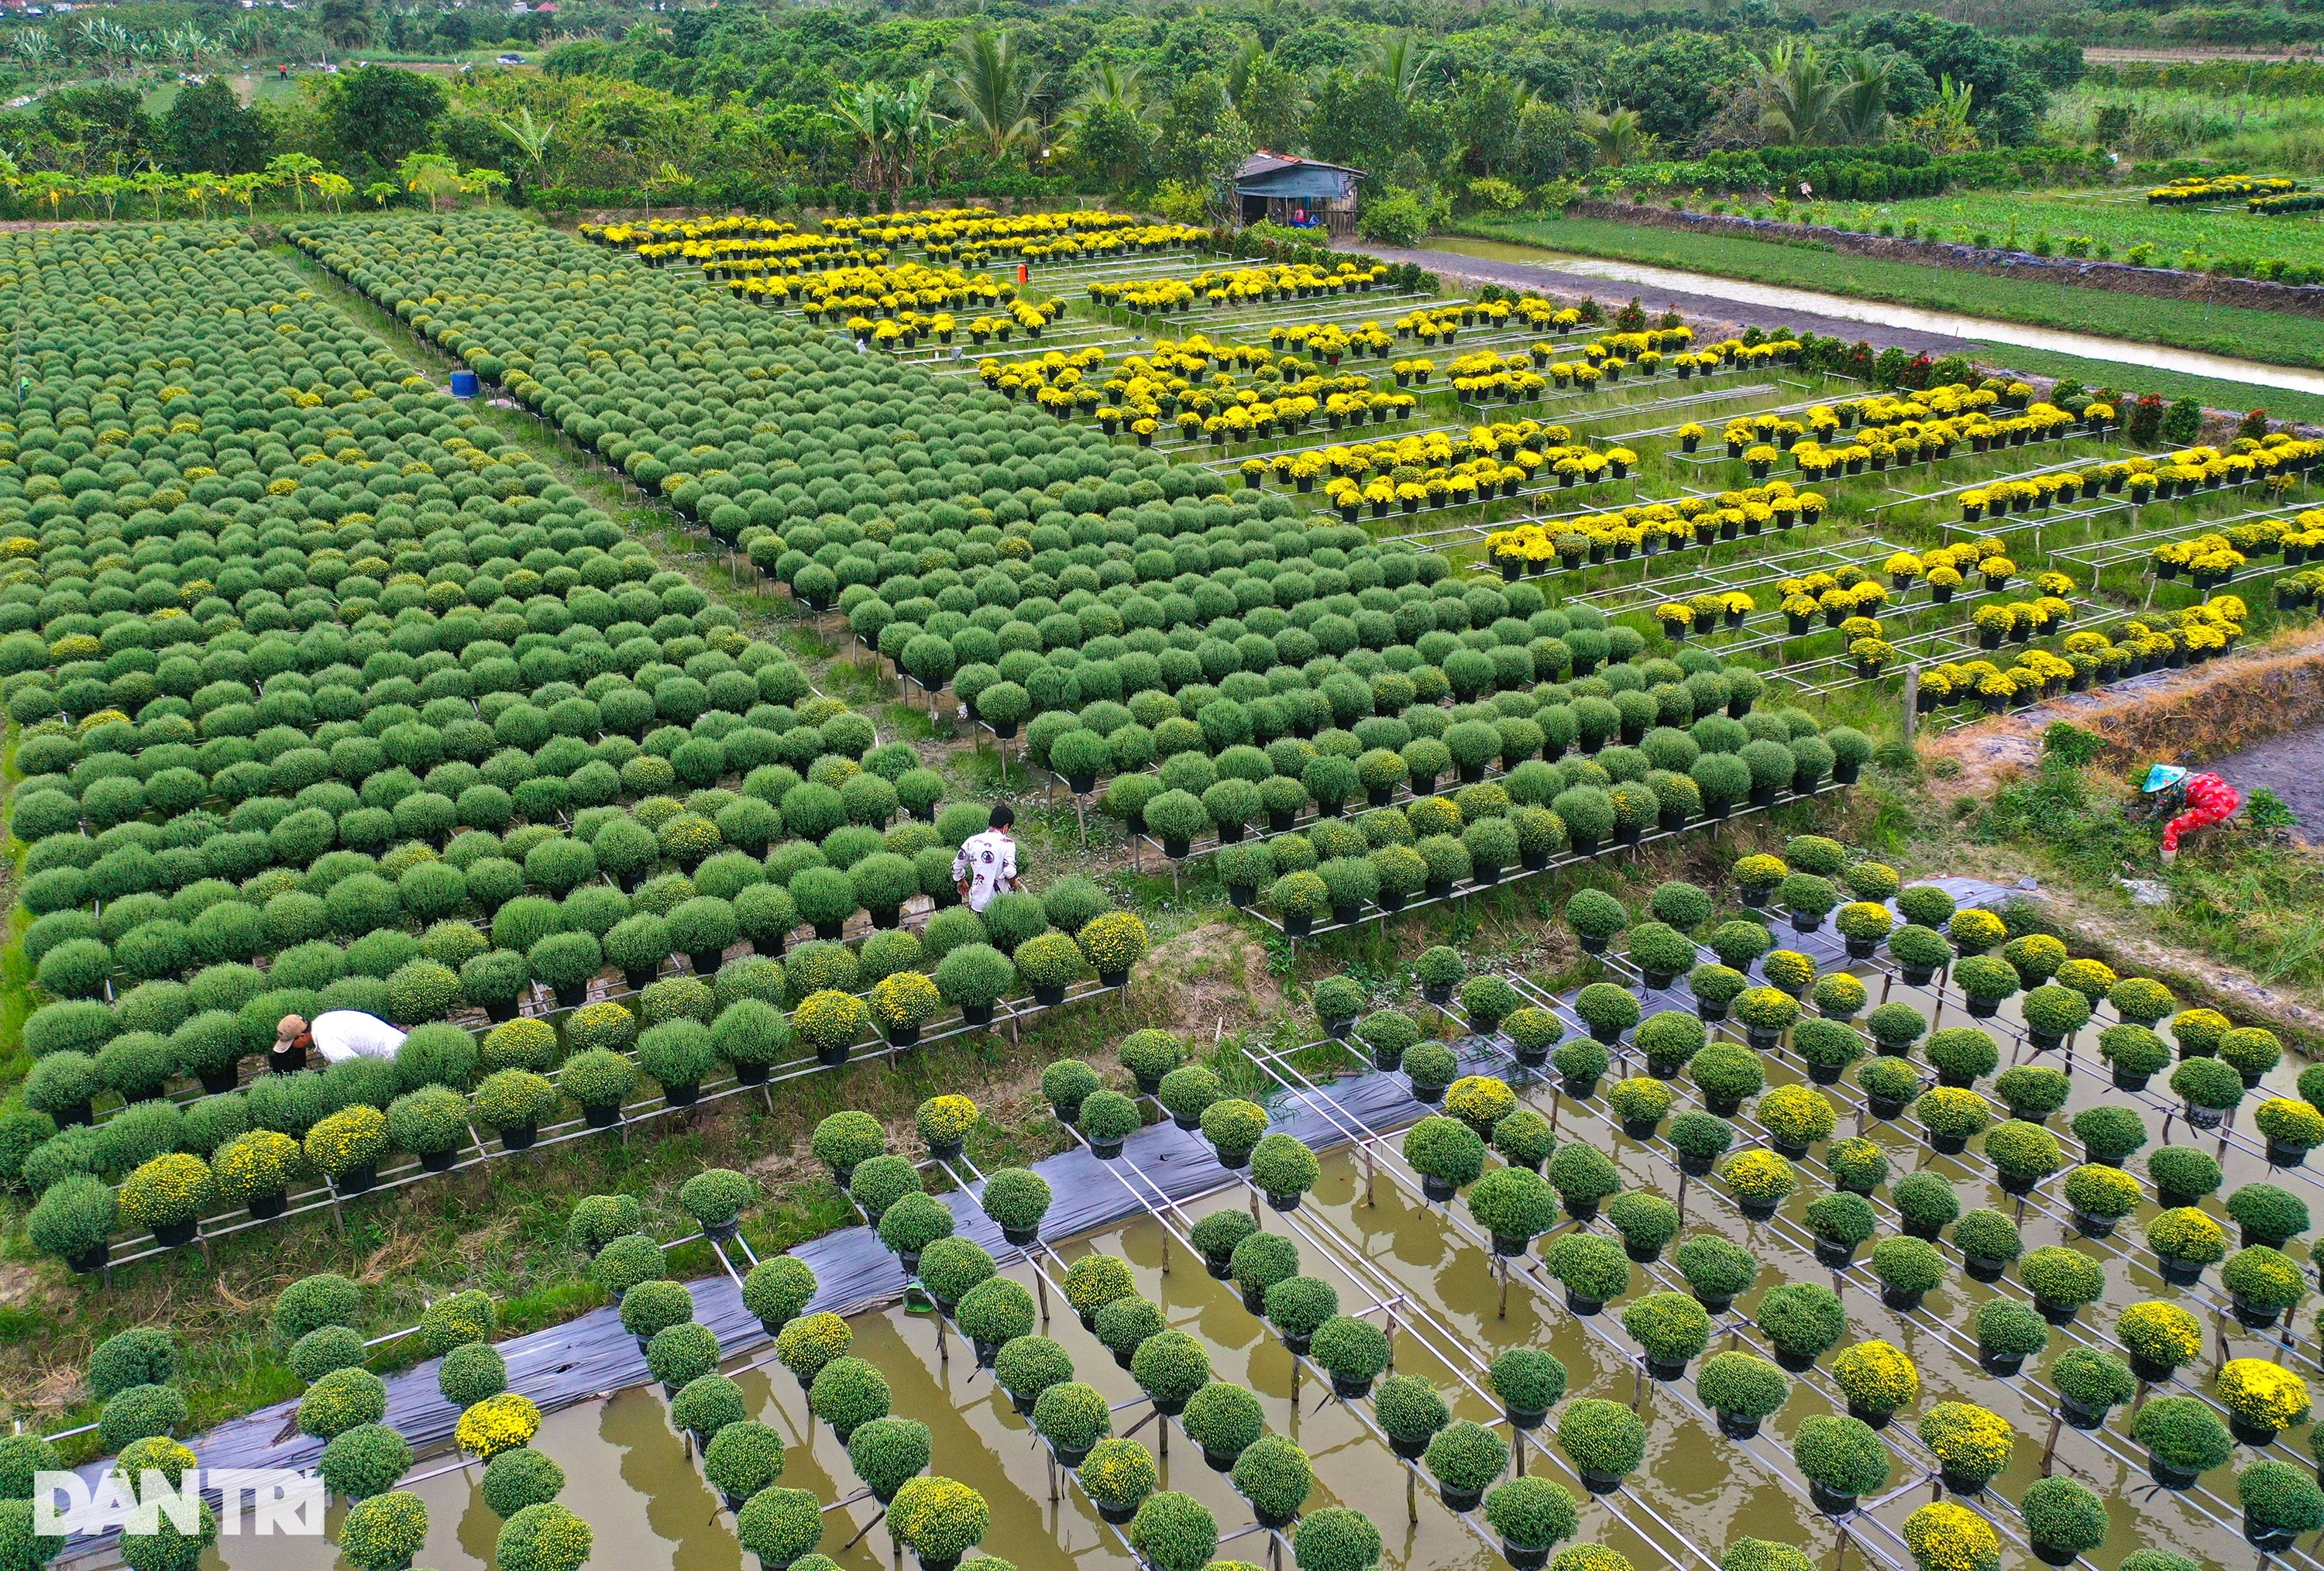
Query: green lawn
{"points": [[2120, 219], [2266, 336]]}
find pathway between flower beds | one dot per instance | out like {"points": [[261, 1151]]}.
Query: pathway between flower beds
{"points": [[593, 1357]]}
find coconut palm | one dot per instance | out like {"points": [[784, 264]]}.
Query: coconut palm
{"points": [[998, 92], [1110, 83], [1404, 60], [1801, 101], [1618, 135], [1861, 110]]}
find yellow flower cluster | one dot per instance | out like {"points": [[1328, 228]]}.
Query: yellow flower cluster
{"points": [[1759, 1175], [1328, 339], [2262, 1393], [830, 1019], [1945, 1537], [497, 1424], [1877, 1375], [1481, 1101], [1257, 284]]}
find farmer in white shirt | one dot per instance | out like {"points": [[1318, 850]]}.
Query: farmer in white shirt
{"points": [[987, 863]]}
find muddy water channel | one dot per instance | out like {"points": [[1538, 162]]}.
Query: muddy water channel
{"points": [[1422, 1271]]}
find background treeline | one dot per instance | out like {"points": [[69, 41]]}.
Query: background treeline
{"points": [[867, 106]]}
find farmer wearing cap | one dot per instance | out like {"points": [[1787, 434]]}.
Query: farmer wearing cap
{"points": [[292, 1038]]}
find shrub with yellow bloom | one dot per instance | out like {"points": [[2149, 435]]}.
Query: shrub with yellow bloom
{"points": [[497, 1424], [1877, 1376], [1972, 1444], [2263, 1394], [943, 1121], [1945, 1537]]}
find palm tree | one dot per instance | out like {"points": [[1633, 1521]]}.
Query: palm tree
{"points": [[1110, 83], [1861, 112], [1800, 100], [1403, 60], [1618, 135], [998, 91]]}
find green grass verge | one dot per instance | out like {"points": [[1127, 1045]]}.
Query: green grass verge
{"points": [[2264, 335], [2281, 402]]}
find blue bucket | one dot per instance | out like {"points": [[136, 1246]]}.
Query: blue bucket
{"points": [[464, 385]]}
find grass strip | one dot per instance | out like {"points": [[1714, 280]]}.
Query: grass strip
{"points": [[2272, 336], [2281, 402]]}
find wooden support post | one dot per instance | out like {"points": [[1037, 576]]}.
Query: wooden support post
{"points": [[2050, 1447], [1166, 1252], [1297, 1369], [1411, 1496], [1041, 1291]]}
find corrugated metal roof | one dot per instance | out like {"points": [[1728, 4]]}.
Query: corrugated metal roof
{"points": [[1309, 182]]}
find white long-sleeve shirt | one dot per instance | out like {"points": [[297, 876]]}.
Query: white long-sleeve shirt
{"points": [[987, 863]]}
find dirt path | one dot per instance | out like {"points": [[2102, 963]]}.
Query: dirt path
{"points": [[2293, 767]]}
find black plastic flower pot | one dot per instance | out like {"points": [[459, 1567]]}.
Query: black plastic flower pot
{"points": [[287, 1063], [357, 1178], [2093, 1226], [2169, 1476], [1983, 1268], [2179, 1272], [1831, 1503], [1834, 1254], [688, 1095], [267, 1206], [2078, 1417], [215, 1082], [1694, 1166], [1948, 1145], [2250, 1434], [2057, 1314], [1917, 975]]}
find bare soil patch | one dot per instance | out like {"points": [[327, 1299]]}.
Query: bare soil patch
{"points": [[2205, 712]]}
